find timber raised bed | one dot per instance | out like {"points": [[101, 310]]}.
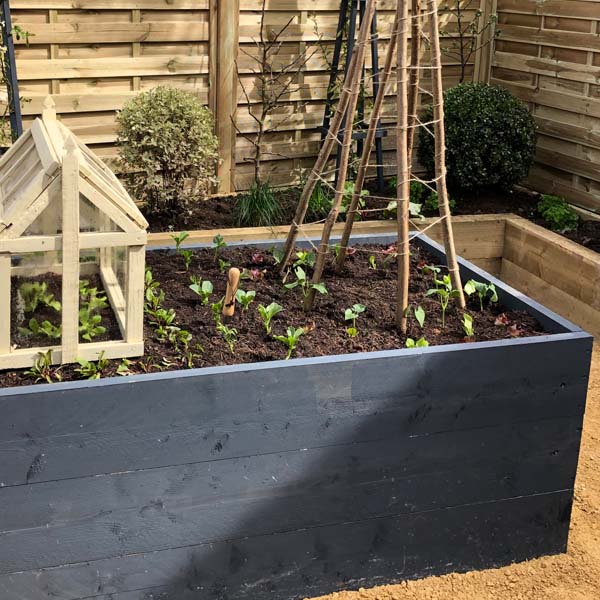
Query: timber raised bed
{"points": [[291, 479]]}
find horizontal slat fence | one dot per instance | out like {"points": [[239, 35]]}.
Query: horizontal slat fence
{"points": [[94, 55], [548, 54]]}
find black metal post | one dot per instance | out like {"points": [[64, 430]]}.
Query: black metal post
{"points": [[10, 66]]}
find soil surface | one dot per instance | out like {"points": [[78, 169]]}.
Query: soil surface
{"points": [[218, 212], [325, 327], [571, 576]]}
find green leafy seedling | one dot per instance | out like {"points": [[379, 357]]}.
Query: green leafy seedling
{"points": [[290, 339], [372, 262], [483, 290], [444, 291], [219, 244], [217, 310], [420, 316], [245, 298], [224, 265], [35, 293], [420, 343], [42, 369], [92, 369], [201, 288], [90, 324], [352, 314], [187, 256], [467, 325], [305, 284], [179, 239], [124, 368], [267, 313], [230, 335], [277, 254], [44, 328], [304, 258]]}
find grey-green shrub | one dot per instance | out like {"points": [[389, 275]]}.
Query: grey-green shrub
{"points": [[168, 149], [490, 138]]}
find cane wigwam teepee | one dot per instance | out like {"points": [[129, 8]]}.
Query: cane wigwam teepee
{"points": [[63, 212]]}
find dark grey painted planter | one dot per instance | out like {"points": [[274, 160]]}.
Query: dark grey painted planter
{"points": [[290, 479]]}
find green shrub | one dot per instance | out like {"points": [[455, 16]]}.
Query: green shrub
{"points": [[490, 138], [558, 214], [319, 204], [258, 207], [168, 148]]}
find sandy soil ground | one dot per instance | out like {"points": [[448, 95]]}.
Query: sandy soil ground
{"points": [[571, 576]]}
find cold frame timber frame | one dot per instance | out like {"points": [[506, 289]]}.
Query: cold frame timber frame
{"points": [[292, 479]]}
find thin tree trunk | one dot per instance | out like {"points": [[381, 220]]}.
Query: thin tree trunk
{"points": [[367, 147], [403, 187], [323, 249], [326, 148], [440, 151]]}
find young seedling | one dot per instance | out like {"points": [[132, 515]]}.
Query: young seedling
{"points": [[42, 369], [90, 297], [202, 288], [277, 254], [219, 244], [372, 262], [187, 256], [467, 324], [420, 316], [124, 368], [153, 295], [90, 369], [230, 335], [224, 265], [179, 239], [304, 258], [420, 343], [304, 283], [352, 314], [435, 271], [44, 328], [290, 339], [217, 310], [444, 291], [245, 298], [36, 293], [267, 313], [483, 290], [89, 324]]}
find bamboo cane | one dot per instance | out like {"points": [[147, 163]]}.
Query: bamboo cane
{"points": [[414, 81], [402, 158], [367, 147], [440, 151], [327, 147], [323, 249]]}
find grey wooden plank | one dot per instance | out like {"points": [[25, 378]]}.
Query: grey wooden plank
{"points": [[311, 562], [87, 519]]}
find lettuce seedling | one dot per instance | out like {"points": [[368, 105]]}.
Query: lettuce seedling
{"points": [[267, 313], [89, 324], [35, 293], [483, 290], [245, 298], [290, 339], [201, 288], [44, 328], [352, 314]]}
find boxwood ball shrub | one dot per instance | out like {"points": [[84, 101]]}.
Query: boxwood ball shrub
{"points": [[490, 138], [168, 149]]}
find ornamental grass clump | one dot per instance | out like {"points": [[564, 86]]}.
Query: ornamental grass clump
{"points": [[490, 138], [168, 150]]}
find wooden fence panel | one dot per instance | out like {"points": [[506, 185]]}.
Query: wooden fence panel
{"points": [[94, 55], [548, 54]]}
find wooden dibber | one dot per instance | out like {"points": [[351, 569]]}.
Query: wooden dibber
{"points": [[233, 281]]}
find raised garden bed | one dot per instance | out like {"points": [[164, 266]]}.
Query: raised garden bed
{"points": [[291, 479]]}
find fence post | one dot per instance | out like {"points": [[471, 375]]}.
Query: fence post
{"points": [[485, 42], [225, 96]]}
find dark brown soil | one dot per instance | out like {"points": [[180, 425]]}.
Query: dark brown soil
{"points": [[325, 326], [218, 212]]}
